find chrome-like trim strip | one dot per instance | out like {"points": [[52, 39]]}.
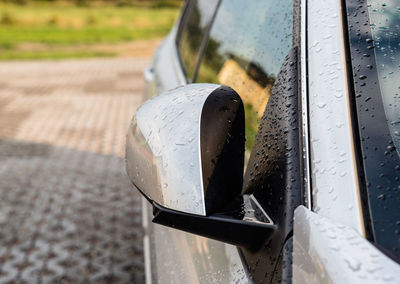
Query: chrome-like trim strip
{"points": [[146, 242], [304, 103]]}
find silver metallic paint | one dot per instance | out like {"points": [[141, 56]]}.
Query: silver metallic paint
{"points": [[163, 155], [330, 252], [334, 175], [329, 245], [167, 70]]}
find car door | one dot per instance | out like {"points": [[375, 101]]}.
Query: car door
{"points": [[253, 48], [173, 256]]}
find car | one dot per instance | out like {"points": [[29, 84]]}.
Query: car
{"points": [[267, 150]]}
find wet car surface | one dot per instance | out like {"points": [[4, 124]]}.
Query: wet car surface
{"points": [[317, 81]]}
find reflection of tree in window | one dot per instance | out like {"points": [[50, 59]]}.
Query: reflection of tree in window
{"points": [[246, 48], [247, 78]]}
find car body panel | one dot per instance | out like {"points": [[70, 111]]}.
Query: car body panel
{"points": [[167, 71], [186, 258], [335, 189], [330, 252], [329, 243]]}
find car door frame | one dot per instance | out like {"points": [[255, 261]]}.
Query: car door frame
{"points": [[169, 49]]}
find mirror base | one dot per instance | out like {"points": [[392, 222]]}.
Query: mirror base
{"points": [[243, 233]]}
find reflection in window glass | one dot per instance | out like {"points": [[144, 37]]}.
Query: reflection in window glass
{"points": [[196, 22], [385, 27], [247, 45], [378, 112]]}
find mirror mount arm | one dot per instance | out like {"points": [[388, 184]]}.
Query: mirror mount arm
{"points": [[220, 227]]}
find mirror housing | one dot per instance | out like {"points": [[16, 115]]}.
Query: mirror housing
{"points": [[185, 153], [185, 148]]}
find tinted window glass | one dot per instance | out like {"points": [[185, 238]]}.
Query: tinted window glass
{"points": [[384, 17], [385, 27], [247, 45], [374, 28], [196, 21]]}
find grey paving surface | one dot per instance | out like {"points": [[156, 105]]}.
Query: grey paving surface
{"points": [[67, 211]]}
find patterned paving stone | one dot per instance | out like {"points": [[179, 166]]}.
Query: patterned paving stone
{"points": [[67, 211]]}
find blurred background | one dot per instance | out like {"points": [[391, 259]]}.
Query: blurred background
{"points": [[55, 29], [71, 77]]}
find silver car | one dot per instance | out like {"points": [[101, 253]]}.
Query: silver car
{"points": [[268, 149]]}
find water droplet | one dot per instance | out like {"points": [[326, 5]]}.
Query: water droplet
{"points": [[387, 277], [353, 263], [334, 247], [339, 124]]}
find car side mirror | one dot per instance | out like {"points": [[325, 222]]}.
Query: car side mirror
{"points": [[185, 153]]}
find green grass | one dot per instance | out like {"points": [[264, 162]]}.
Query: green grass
{"points": [[52, 55], [65, 25], [63, 36]]}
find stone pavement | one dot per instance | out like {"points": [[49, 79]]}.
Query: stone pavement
{"points": [[67, 211]]}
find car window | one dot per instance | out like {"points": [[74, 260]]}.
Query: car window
{"points": [[385, 27], [195, 24], [246, 47], [374, 30], [384, 19]]}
